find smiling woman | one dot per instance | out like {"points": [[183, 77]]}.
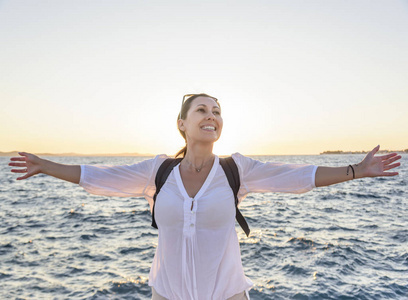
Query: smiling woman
{"points": [[198, 255], [206, 112]]}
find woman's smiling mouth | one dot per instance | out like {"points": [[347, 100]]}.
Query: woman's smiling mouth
{"points": [[208, 128]]}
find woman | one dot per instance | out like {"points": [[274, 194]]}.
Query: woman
{"points": [[198, 254]]}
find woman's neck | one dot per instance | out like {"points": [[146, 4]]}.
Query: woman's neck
{"points": [[198, 154]]}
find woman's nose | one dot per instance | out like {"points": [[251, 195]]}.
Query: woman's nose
{"points": [[211, 116]]}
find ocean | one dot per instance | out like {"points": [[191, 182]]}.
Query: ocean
{"points": [[345, 241]]}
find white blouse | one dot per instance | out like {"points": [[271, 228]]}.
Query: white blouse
{"points": [[198, 255]]}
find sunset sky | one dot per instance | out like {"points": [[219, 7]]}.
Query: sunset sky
{"points": [[292, 77]]}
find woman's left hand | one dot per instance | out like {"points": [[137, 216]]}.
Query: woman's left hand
{"points": [[374, 166]]}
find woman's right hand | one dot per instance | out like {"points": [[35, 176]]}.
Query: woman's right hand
{"points": [[28, 163]]}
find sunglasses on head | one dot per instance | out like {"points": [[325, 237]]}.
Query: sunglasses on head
{"points": [[188, 96]]}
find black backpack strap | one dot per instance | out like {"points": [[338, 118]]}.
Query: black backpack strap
{"points": [[161, 176], [231, 171]]}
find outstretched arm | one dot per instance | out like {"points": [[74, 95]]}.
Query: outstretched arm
{"points": [[370, 166], [32, 165]]}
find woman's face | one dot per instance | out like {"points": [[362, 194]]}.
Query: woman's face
{"points": [[203, 122]]}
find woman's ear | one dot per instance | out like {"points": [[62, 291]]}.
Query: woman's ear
{"points": [[180, 124]]}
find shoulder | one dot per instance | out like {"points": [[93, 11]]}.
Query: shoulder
{"points": [[161, 157], [238, 156], [158, 160], [149, 165], [244, 163], [243, 160]]}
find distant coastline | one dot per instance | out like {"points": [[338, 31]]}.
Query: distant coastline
{"points": [[15, 153], [362, 152]]}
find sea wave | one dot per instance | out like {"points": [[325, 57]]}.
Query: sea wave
{"points": [[346, 241]]}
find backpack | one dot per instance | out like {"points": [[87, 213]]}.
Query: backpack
{"points": [[231, 171]]}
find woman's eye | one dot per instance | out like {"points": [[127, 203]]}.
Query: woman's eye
{"points": [[200, 109]]}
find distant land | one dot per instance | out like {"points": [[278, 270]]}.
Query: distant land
{"points": [[15, 153], [363, 152]]}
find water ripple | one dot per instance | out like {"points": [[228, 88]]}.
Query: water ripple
{"points": [[347, 241]]}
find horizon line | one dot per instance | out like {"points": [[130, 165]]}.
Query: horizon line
{"points": [[129, 154]]}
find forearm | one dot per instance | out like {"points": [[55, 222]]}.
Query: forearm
{"points": [[370, 166], [332, 175], [71, 173]]}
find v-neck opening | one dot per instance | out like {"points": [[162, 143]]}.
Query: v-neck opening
{"points": [[205, 185]]}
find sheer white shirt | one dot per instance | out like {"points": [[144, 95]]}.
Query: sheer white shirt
{"points": [[198, 255]]}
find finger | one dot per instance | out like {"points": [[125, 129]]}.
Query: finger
{"points": [[17, 159], [374, 151], [388, 161], [19, 170], [387, 156], [390, 173], [391, 166], [17, 164], [23, 177]]}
